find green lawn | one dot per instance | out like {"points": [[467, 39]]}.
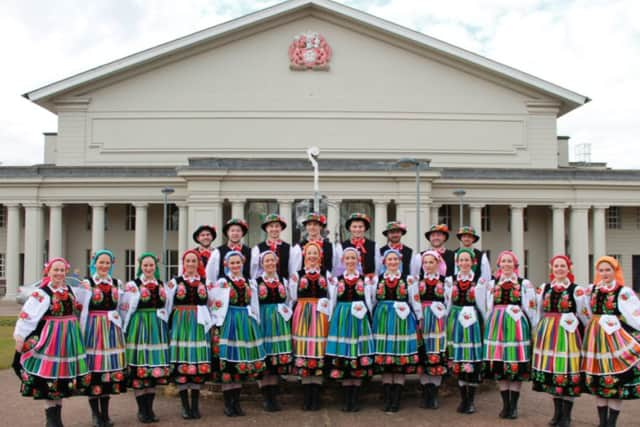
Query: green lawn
{"points": [[7, 344]]}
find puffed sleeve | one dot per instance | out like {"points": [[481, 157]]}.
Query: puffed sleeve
{"points": [[295, 259], [213, 267], [482, 297], [414, 299], [370, 285], [333, 294], [529, 302], [292, 289], [255, 259], [539, 298], [337, 254], [448, 290], [416, 265], [485, 267], [84, 313], [378, 259], [583, 308], [288, 301], [629, 306], [32, 311], [489, 287], [129, 303], [172, 286], [254, 306]]}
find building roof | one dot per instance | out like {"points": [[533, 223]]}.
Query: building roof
{"points": [[569, 99]]}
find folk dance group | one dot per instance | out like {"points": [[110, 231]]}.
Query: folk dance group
{"points": [[318, 311]]}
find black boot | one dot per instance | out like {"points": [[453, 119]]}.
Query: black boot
{"points": [[462, 407], [506, 404], [346, 398], [434, 397], [236, 402], [104, 411], [386, 391], [557, 411], [142, 408], [426, 396], [471, 393], [315, 397], [612, 418], [228, 403], [184, 399], [195, 404], [396, 392], [267, 400], [603, 412], [150, 414], [513, 403], [96, 419], [565, 414], [59, 415], [274, 398], [50, 413], [355, 398], [308, 395]]}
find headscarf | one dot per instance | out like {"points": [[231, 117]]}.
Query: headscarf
{"points": [[153, 256], [619, 275], [200, 269], [383, 267], [317, 246], [94, 258], [472, 254], [260, 269], [516, 263], [442, 265], [566, 259], [226, 260], [47, 267], [341, 267]]}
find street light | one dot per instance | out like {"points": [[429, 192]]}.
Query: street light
{"points": [[405, 163], [313, 153], [460, 193], [165, 194]]}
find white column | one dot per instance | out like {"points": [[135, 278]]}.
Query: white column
{"points": [[333, 220], [380, 220], [237, 208], [12, 274], [97, 226], [599, 231], [435, 208], [558, 229], [33, 242], [579, 242], [55, 230], [183, 228], [475, 220], [141, 244], [517, 230], [284, 206]]}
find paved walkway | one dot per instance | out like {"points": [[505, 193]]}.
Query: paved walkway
{"points": [[535, 410]]}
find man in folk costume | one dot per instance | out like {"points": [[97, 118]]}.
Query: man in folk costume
{"points": [[204, 235], [394, 232], [437, 236], [234, 230], [314, 225], [273, 225], [468, 237], [357, 224]]}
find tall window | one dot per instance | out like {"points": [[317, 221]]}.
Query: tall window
{"points": [[347, 207], [3, 216], [614, 218], [170, 262], [129, 264], [173, 217], [130, 222], [485, 218], [2, 266], [255, 212], [525, 219], [444, 215]]}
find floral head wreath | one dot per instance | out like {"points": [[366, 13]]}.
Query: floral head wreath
{"points": [[153, 256], [200, 268], [566, 259], [383, 267], [619, 275], [94, 259], [442, 265], [229, 254], [474, 261], [516, 263], [47, 268]]}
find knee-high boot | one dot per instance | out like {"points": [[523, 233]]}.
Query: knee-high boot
{"points": [[195, 404], [184, 399]]}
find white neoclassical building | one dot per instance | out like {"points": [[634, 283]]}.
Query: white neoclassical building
{"points": [[224, 117]]}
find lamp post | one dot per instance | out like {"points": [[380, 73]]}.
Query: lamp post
{"points": [[165, 195], [407, 162], [460, 193], [313, 153]]}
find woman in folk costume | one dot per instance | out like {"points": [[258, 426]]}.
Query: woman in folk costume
{"points": [[350, 343], [310, 324], [465, 300], [103, 336], [189, 340], [433, 326], [561, 306], [275, 313], [511, 316], [395, 327], [314, 224], [50, 353], [611, 346], [236, 311], [147, 335]]}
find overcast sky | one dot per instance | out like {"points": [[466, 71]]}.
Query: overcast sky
{"points": [[590, 47]]}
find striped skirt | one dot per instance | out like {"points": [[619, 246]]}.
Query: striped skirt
{"points": [[309, 338], [432, 342], [106, 358], [507, 346], [54, 363], [349, 345], [147, 349], [189, 346], [395, 340], [556, 358], [276, 335], [241, 347], [464, 347], [611, 362]]}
